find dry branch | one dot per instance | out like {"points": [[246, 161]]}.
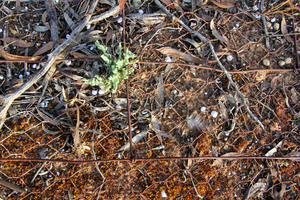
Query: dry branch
{"points": [[204, 40], [113, 11], [11, 186]]}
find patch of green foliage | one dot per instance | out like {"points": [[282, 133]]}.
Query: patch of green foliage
{"points": [[115, 67]]}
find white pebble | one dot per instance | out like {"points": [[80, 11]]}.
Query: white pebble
{"points": [[118, 107], [180, 94], [229, 58], [205, 93], [34, 66], [68, 62], [57, 173], [27, 73], [273, 20], [288, 60], [163, 194], [218, 81], [20, 76], [255, 8], [94, 92], [92, 48], [203, 109], [120, 20], [1, 77], [1, 30], [276, 26], [144, 112], [101, 92], [266, 62], [88, 26], [214, 114], [175, 91], [281, 63], [257, 16], [68, 36], [141, 11], [44, 104], [168, 59]]}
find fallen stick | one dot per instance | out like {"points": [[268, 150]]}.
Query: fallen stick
{"points": [[204, 40], [8, 100]]}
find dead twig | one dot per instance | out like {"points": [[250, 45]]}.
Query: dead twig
{"points": [[297, 67], [11, 186], [105, 15], [204, 40], [8, 100], [263, 18]]}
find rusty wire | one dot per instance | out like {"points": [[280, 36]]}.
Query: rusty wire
{"points": [[149, 159]]}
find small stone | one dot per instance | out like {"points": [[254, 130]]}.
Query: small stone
{"points": [[163, 194], [94, 92], [168, 59], [281, 63], [203, 109], [229, 58], [1, 77], [120, 20], [288, 60], [269, 25], [88, 26], [214, 114], [180, 94], [44, 104], [68, 62], [101, 92], [257, 16], [255, 8], [276, 26], [118, 107], [273, 20], [27, 73], [144, 112], [20, 76], [141, 11], [266, 62], [68, 36]]}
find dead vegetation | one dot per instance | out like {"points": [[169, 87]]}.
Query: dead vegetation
{"points": [[213, 102]]}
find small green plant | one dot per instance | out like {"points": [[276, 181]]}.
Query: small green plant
{"points": [[116, 68]]}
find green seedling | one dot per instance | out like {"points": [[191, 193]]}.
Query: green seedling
{"points": [[116, 68]]}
